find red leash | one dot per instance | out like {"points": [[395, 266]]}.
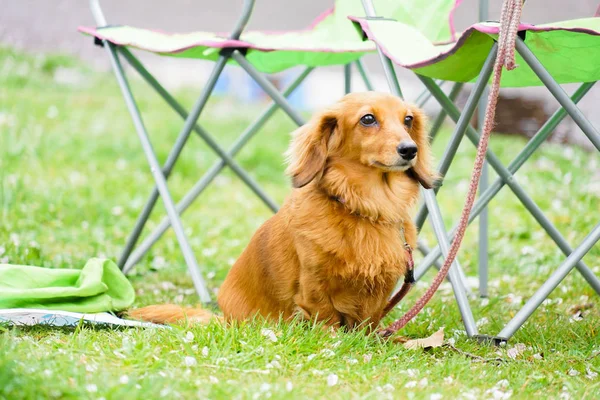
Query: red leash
{"points": [[509, 25]]}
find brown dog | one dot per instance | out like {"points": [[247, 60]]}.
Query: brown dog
{"points": [[335, 250]]}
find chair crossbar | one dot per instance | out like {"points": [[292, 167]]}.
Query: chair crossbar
{"points": [[515, 187], [488, 194], [551, 283], [179, 144], [212, 173], [159, 178]]}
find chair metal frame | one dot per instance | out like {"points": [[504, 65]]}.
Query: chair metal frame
{"points": [[506, 174]]}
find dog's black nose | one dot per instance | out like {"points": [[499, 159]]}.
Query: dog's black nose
{"points": [[407, 150]]}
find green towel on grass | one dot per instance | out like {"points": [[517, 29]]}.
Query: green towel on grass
{"points": [[98, 287]]}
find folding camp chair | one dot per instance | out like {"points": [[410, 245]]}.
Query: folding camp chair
{"points": [[330, 40], [549, 55]]}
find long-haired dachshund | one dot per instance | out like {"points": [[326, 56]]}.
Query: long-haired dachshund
{"points": [[335, 250]]}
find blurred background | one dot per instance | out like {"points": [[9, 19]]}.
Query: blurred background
{"points": [[51, 26]]}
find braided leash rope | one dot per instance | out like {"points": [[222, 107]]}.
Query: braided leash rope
{"points": [[509, 26]]}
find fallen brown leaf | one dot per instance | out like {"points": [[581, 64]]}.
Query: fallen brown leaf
{"points": [[580, 307], [435, 340]]}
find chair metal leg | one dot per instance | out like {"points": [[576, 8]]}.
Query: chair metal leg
{"points": [[347, 78], [386, 63], [559, 93], [268, 87], [362, 70], [425, 95], [461, 124], [531, 146], [159, 178], [544, 291], [230, 162], [214, 170], [190, 122], [176, 150], [459, 290], [518, 190], [439, 120]]}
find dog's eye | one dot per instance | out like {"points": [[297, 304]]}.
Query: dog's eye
{"points": [[368, 120], [408, 121]]}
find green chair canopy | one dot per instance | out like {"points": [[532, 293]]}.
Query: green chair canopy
{"points": [[569, 50], [330, 40]]}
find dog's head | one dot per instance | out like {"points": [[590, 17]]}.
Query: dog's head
{"points": [[375, 129]]}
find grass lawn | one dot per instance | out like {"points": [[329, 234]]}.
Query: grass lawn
{"points": [[73, 179]]}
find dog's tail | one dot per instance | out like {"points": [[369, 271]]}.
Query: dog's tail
{"points": [[172, 314]]}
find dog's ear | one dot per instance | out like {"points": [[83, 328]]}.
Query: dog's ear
{"points": [[308, 152], [423, 170]]}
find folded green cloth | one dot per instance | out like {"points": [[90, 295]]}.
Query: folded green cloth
{"points": [[99, 286]]}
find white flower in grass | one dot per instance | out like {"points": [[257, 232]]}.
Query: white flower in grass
{"points": [[435, 396], [265, 387], [289, 386], [332, 380], [189, 337], [327, 353], [590, 374], [190, 361], [564, 395], [388, 387], [124, 380], [311, 356], [204, 351], [498, 394], [573, 372], [121, 164], [52, 112], [502, 384], [91, 388], [470, 395], [412, 372], [91, 367], [116, 211], [268, 333], [213, 379], [410, 384], [273, 364]]}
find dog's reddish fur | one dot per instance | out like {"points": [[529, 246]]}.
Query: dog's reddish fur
{"points": [[334, 251]]}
